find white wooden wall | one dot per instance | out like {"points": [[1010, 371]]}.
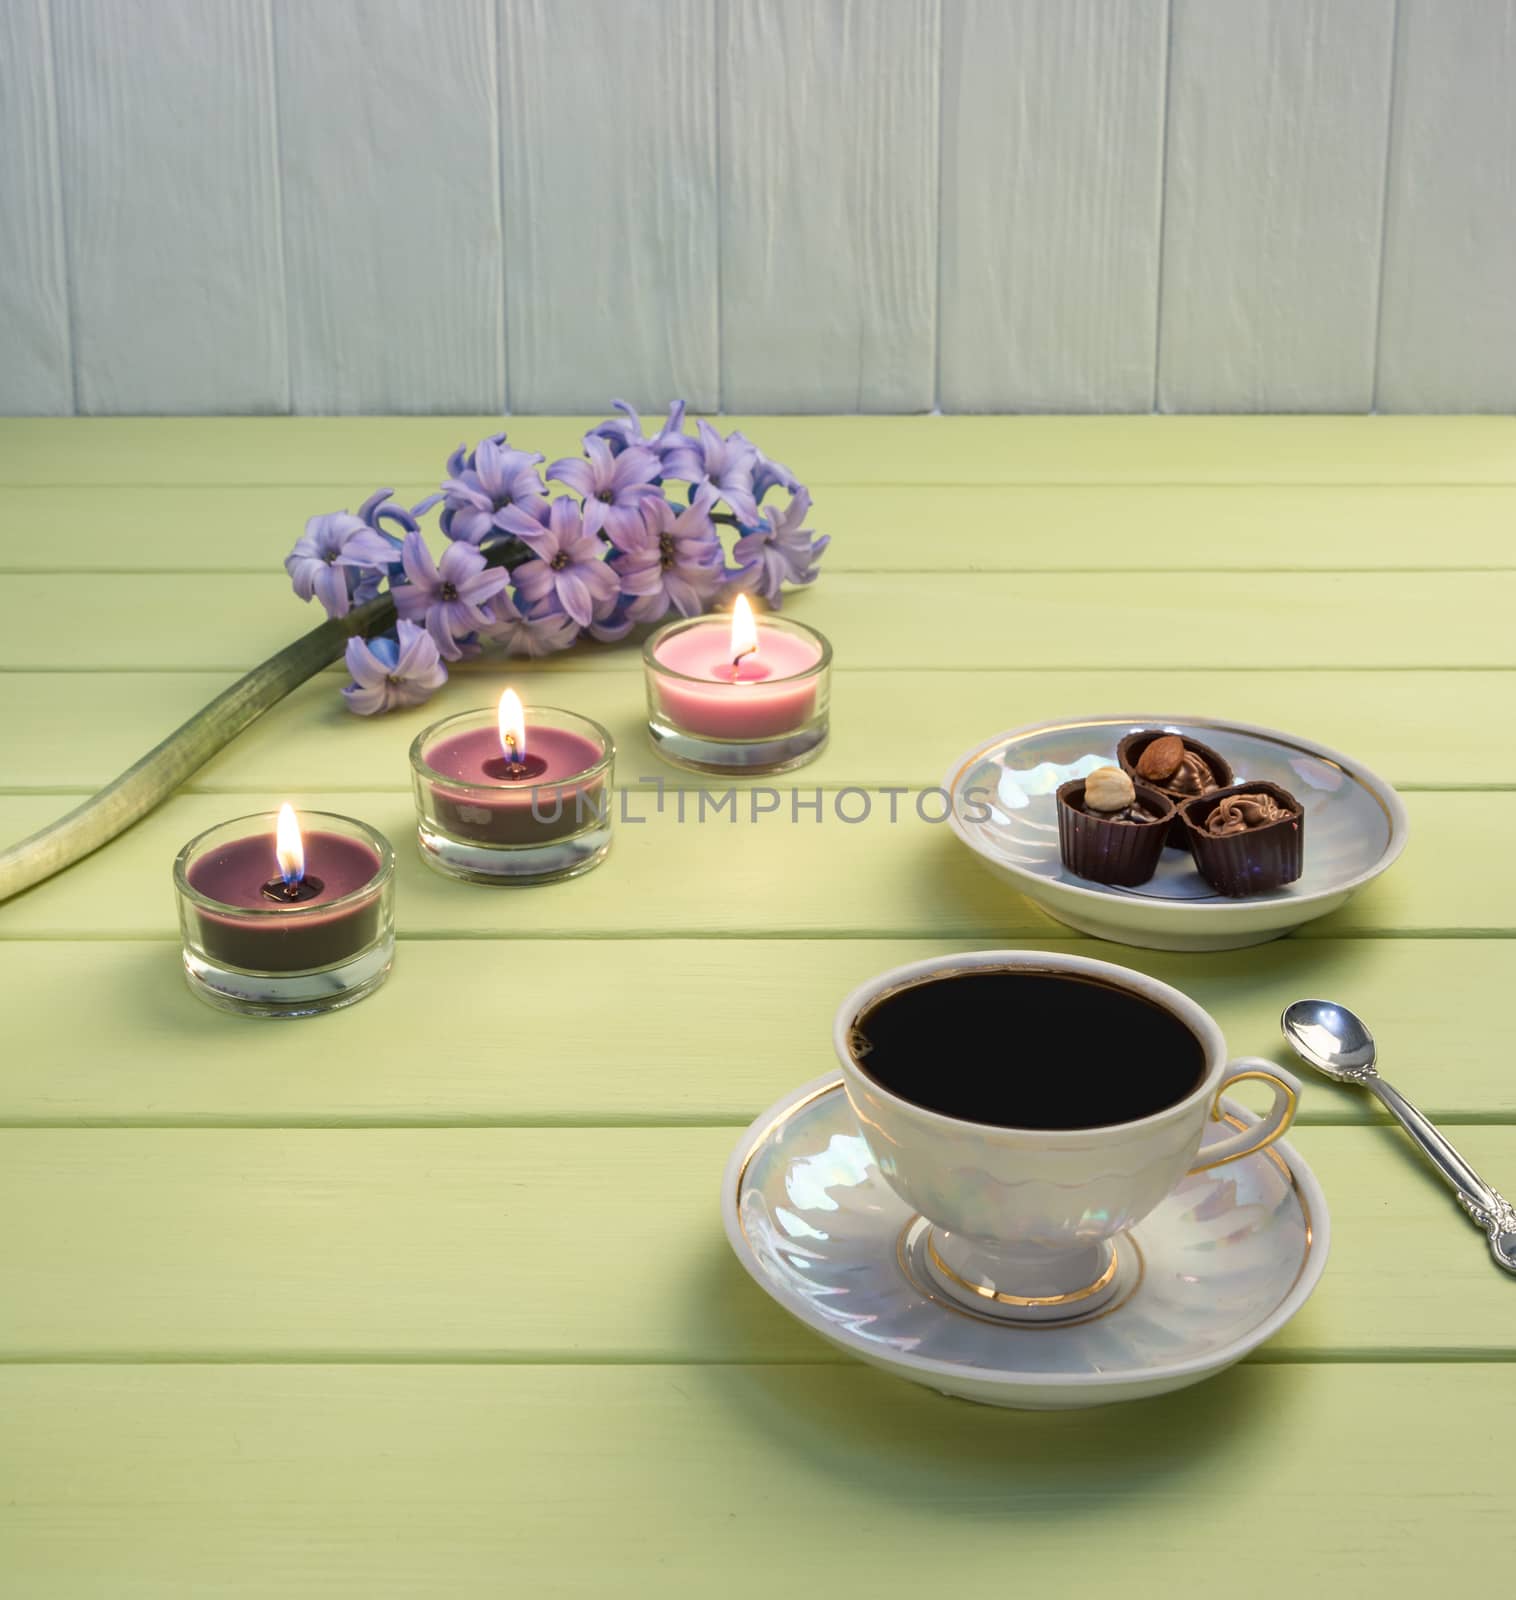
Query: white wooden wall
{"points": [[761, 205]]}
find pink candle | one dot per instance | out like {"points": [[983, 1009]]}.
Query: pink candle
{"points": [[712, 679]]}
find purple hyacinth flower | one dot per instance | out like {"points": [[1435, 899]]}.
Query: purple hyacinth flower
{"points": [[522, 635], [568, 569], [613, 486], [451, 594], [771, 475], [403, 671], [484, 483], [671, 560], [779, 551], [341, 559], [622, 432], [614, 626], [724, 465]]}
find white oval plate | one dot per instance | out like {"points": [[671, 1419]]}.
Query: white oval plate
{"points": [[1004, 811]]}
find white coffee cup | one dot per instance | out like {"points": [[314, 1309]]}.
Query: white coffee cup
{"points": [[1024, 1219]]}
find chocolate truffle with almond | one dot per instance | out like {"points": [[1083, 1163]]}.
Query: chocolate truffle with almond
{"points": [[1246, 839], [1176, 765], [1111, 830]]}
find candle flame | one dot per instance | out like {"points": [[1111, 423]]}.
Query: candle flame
{"points": [[744, 630], [512, 727], [289, 847]]}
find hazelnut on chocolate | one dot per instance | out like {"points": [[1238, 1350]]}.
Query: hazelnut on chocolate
{"points": [[1111, 830], [1108, 789]]}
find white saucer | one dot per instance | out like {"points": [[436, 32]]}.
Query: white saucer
{"points": [[1355, 828], [1223, 1264]]}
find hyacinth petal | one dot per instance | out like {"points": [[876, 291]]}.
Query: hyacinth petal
{"points": [[470, 524], [366, 548], [441, 635], [417, 654], [574, 595], [534, 582], [618, 522], [302, 571], [635, 465], [489, 465], [374, 501], [365, 701], [682, 462], [576, 474], [411, 600], [331, 590], [460, 489], [417, 561], [513, 520], [459, 563], [594, 516], [610, 630], [365, 668], [482, 588]]}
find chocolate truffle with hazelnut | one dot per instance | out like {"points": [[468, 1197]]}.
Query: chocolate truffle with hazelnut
{"points": [[1111, 830]]}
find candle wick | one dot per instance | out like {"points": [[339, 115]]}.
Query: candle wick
{"points": [[736, 659]]}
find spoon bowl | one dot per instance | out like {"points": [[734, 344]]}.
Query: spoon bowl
{"points": [[1330, 1038]]}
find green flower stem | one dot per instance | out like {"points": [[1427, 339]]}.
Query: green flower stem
{"points": [[155, 777]]}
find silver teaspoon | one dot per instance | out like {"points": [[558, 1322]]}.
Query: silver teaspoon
{"points": [[1331, 1039]]}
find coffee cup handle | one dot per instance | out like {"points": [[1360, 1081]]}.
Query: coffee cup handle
{"points": [[1258, 1135]]}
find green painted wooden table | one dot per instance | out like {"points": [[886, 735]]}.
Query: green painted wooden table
{"points": [[430, 1298]]}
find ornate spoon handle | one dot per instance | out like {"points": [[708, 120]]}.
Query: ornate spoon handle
{"points": [[1486, 1205]]}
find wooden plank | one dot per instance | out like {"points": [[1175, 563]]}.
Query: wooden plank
{"points": [[480, 1243], [610, 201], [352, 454], [942, 528], [1273, 195], [391, 196], [405, 1481], [37, 375], [1418, 730], [171, 200], [799, 872], [828, 176], [1428, 1001], [1230, 621], [1052, 159], [1447, 338]]}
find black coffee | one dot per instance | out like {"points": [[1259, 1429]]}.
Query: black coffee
{"points": [[1027, 1049]]}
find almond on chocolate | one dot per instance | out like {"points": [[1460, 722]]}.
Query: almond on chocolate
{"points": [[1161, 759], [1189, 768]]}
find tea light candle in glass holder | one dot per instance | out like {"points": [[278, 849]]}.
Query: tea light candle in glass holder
{"points": [[513, 795], [742, 696], [283, 922]]}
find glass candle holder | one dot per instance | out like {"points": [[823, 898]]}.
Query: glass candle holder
{"points": [[252, 948], [763, 713], [485, 819]]}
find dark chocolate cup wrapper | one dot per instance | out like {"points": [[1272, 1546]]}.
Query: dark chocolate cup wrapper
{"points": [[1129, 752], [1255, 862], [1123, 853]]}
